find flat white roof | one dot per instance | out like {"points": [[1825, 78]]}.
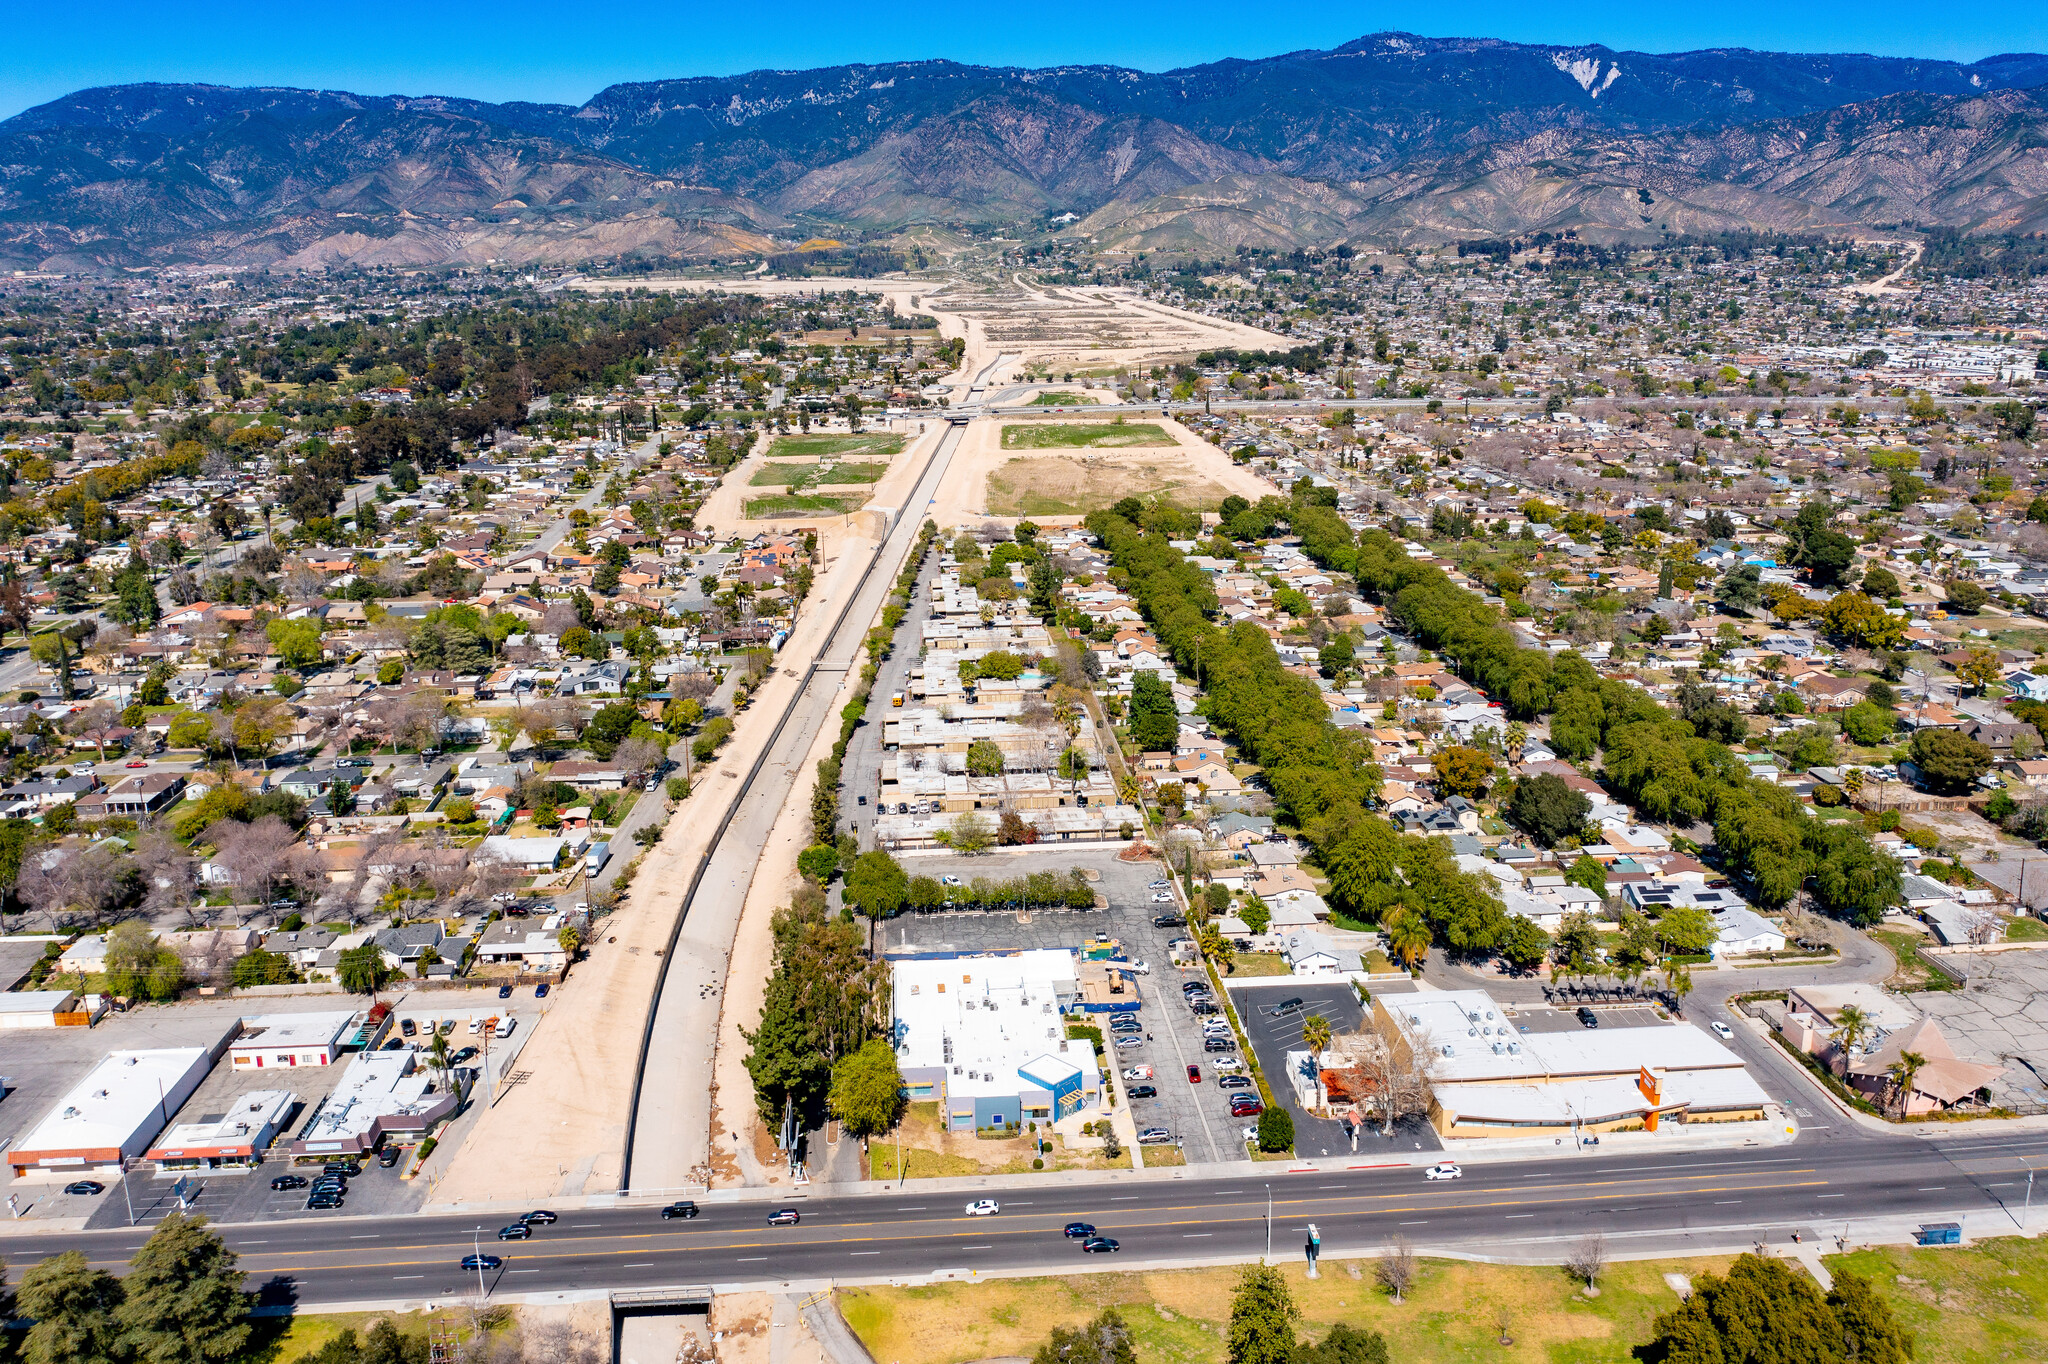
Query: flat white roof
{"points": [[35, 1001], [999, 1014], [264, 1032], [122, 1102], [1486, 1046], [236, 1130], [374, 1085]]}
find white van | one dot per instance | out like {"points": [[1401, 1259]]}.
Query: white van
{"points": [[505, 1026]]}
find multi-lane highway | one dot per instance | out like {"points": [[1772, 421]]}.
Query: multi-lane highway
{"points": [[1714, 1199]]}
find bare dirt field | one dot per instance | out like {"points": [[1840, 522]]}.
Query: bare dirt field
{"points": [[988, 480]]}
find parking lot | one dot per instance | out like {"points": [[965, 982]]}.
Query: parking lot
{"points": [[1274, 1027], [1197, 1115], [41, 1065]]}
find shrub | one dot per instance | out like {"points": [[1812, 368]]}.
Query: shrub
{"points": [[1276, 1130]]}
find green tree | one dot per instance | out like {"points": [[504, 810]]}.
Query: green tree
{"points": [[1825, 553], [984, 758], [876, 884], [1966, 596], [1867, 723], [1686, 929], [1155, 722], [1276, 1130], [1548, 809], [297, 641], [1880, 583], [1764, 1313], [361, 970], [1262, 1317], [184, 1302], [818, 862], [73, 1306], [1524, 943], [970, 833], [1346, 1344], [867, 1090], [1105, 1340], [1949, 761], [1589, 872]]}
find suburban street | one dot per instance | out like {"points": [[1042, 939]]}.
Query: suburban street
{"points": [[1675, 1202]]}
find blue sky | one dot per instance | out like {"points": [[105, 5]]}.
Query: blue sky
{"points": [[517, 49]]}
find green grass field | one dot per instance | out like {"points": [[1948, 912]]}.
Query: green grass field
{"points": [[797, 477], [1966, 1306], [1077, 435], [880, 443], [802, 504], [1064, 400]]}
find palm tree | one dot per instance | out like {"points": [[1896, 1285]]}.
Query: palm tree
{"points": [[1677, 980], [1903, 1072], [437, 1052], [1315, 1035], [1852, 1025], [1209, 940], [1408, 935], [1517, 736]]}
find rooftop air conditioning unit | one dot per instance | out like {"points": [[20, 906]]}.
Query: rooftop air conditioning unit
{"points": [[1449, 1051]]}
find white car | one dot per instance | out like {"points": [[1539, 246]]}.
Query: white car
{"points": [[1162, 897], [1444, 1170], [1251, 1134], [1226, 1065], [984, 1207], [1137, 968], [949, 880], [1138, 1073], [1722, 1030], [1159, 885]]}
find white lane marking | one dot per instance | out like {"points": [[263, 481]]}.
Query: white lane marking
{"points": [[864, 1252], [1932, 1188], [977, 1247], [1514, 1216], [1422, 1223], [647, 1265], [408, 1276], [751, 1259], [1831, 1195], [1195, 1235]]}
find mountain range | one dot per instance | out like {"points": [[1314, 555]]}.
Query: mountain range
{"points": [[1389, 139]]}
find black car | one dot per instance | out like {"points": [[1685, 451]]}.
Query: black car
{"points": [[1588, 1018], [1100, 1245], [88, 1187], [482, 1262], [1233, 1082], [518, 1231], [1286, 1006], [342, 1167], [1202, 1006], [1133, 1026], [504, 992], [683, 1208], [408, 1027], [323, 1200], [1168, 921], [283, 1182], [466, 1054], [1144, 1091], [389, 1157], [1080, 1231], [1188, 987], [1218, 1044], [540, 1215]]}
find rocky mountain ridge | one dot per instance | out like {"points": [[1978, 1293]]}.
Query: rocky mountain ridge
{"points": [[1391, 138]]}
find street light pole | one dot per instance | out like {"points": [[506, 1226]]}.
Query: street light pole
{"points": [[1268, 1258], [477, 1255]]}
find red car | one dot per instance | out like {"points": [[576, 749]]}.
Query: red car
{"points": [[137, 763], [1194, 1075], [1245, 1106]]}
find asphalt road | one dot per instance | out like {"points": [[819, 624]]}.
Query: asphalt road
{"points": [[1715, 1198]]}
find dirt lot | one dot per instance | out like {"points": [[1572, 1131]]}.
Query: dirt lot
{"points": [[1076, 435], [990, 480]]}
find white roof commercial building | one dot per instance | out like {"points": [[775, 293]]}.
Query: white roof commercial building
{"points": [[1495, 1081], [984, 1037], [236, 1138], [291, 1040], [381, 1092], [113, 1113]]}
